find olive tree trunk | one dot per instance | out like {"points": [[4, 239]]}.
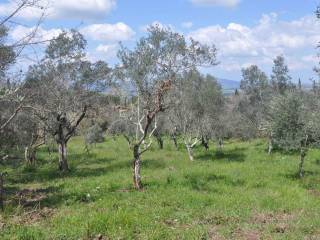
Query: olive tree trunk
{"points": [[30, 155], [1, 191], [190, 145], [204, 143], [302, 157], [270, 145], [220, 142], [174, 139], [136, 168], [303, 153], [190, 153], [63, 162], [160, 141]]}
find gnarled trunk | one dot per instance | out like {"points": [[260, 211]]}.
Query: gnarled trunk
{"points": [[302, 156], [30, 155], [174, 138], [136, 168], [1, 191], [270, 145], [190, 153], [204, 143], [63, 163], [220, 142], [160, 141], [303, 153]]}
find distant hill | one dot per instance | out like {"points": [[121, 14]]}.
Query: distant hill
{"points": [[228, 84]]}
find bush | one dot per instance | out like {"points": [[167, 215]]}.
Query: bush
{"points": [[94, 135]]}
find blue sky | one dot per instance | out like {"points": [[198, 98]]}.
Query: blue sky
{"points": [[245, 31]]}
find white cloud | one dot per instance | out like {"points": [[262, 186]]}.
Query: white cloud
{"points": [[223, 3], [311, 59], [79, 9], [187, 24], [239, 44], [108, 32], [21, 32], [108, 51]]}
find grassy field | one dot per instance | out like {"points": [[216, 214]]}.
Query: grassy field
{"points": [[239, 193]]}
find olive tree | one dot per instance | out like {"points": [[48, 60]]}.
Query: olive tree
{"points": [[13, 119], [152, 68], [63, 87], [197, 108], [10, 95], [94, 134], [280, 78], [294, 123]]}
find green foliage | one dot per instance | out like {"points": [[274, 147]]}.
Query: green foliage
{"points": [[68, 45], [280, 78], [253, 101], [293, 121], [254, 83], [160, 57], [7, 54], [94, 134], [198, 105]]}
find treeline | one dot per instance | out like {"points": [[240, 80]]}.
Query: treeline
{"points": [[156, 89]]}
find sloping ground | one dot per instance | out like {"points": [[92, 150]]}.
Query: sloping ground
{"points": [[239, 193]]}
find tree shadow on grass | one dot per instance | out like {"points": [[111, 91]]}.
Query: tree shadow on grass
{"points": [[283, 151], [198, 181], [235, 155], [48, 174], [295, 175], [153, 163], [91, 158], [31, 198], [317, 162], [40, 198]]}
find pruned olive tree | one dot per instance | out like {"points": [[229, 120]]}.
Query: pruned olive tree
{"points": [[197, 108], [63, 88], [152, 68]]}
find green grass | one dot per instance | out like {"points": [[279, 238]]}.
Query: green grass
{"points": [[239, 193]]}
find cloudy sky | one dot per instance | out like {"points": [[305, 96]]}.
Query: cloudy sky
{"points": [[245, 31]]}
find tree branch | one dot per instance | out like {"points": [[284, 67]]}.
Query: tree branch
{"points": [[4, 125], [74, 127]]}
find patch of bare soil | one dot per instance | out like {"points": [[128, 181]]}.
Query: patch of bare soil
{"points": [[32, 217], [313, 237], [30, 197], [280, 222], [217, 220], [174, 224], [213, 234], [31, 209], [246, 234], [314, 192], [100, 237], [214, 222]]}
